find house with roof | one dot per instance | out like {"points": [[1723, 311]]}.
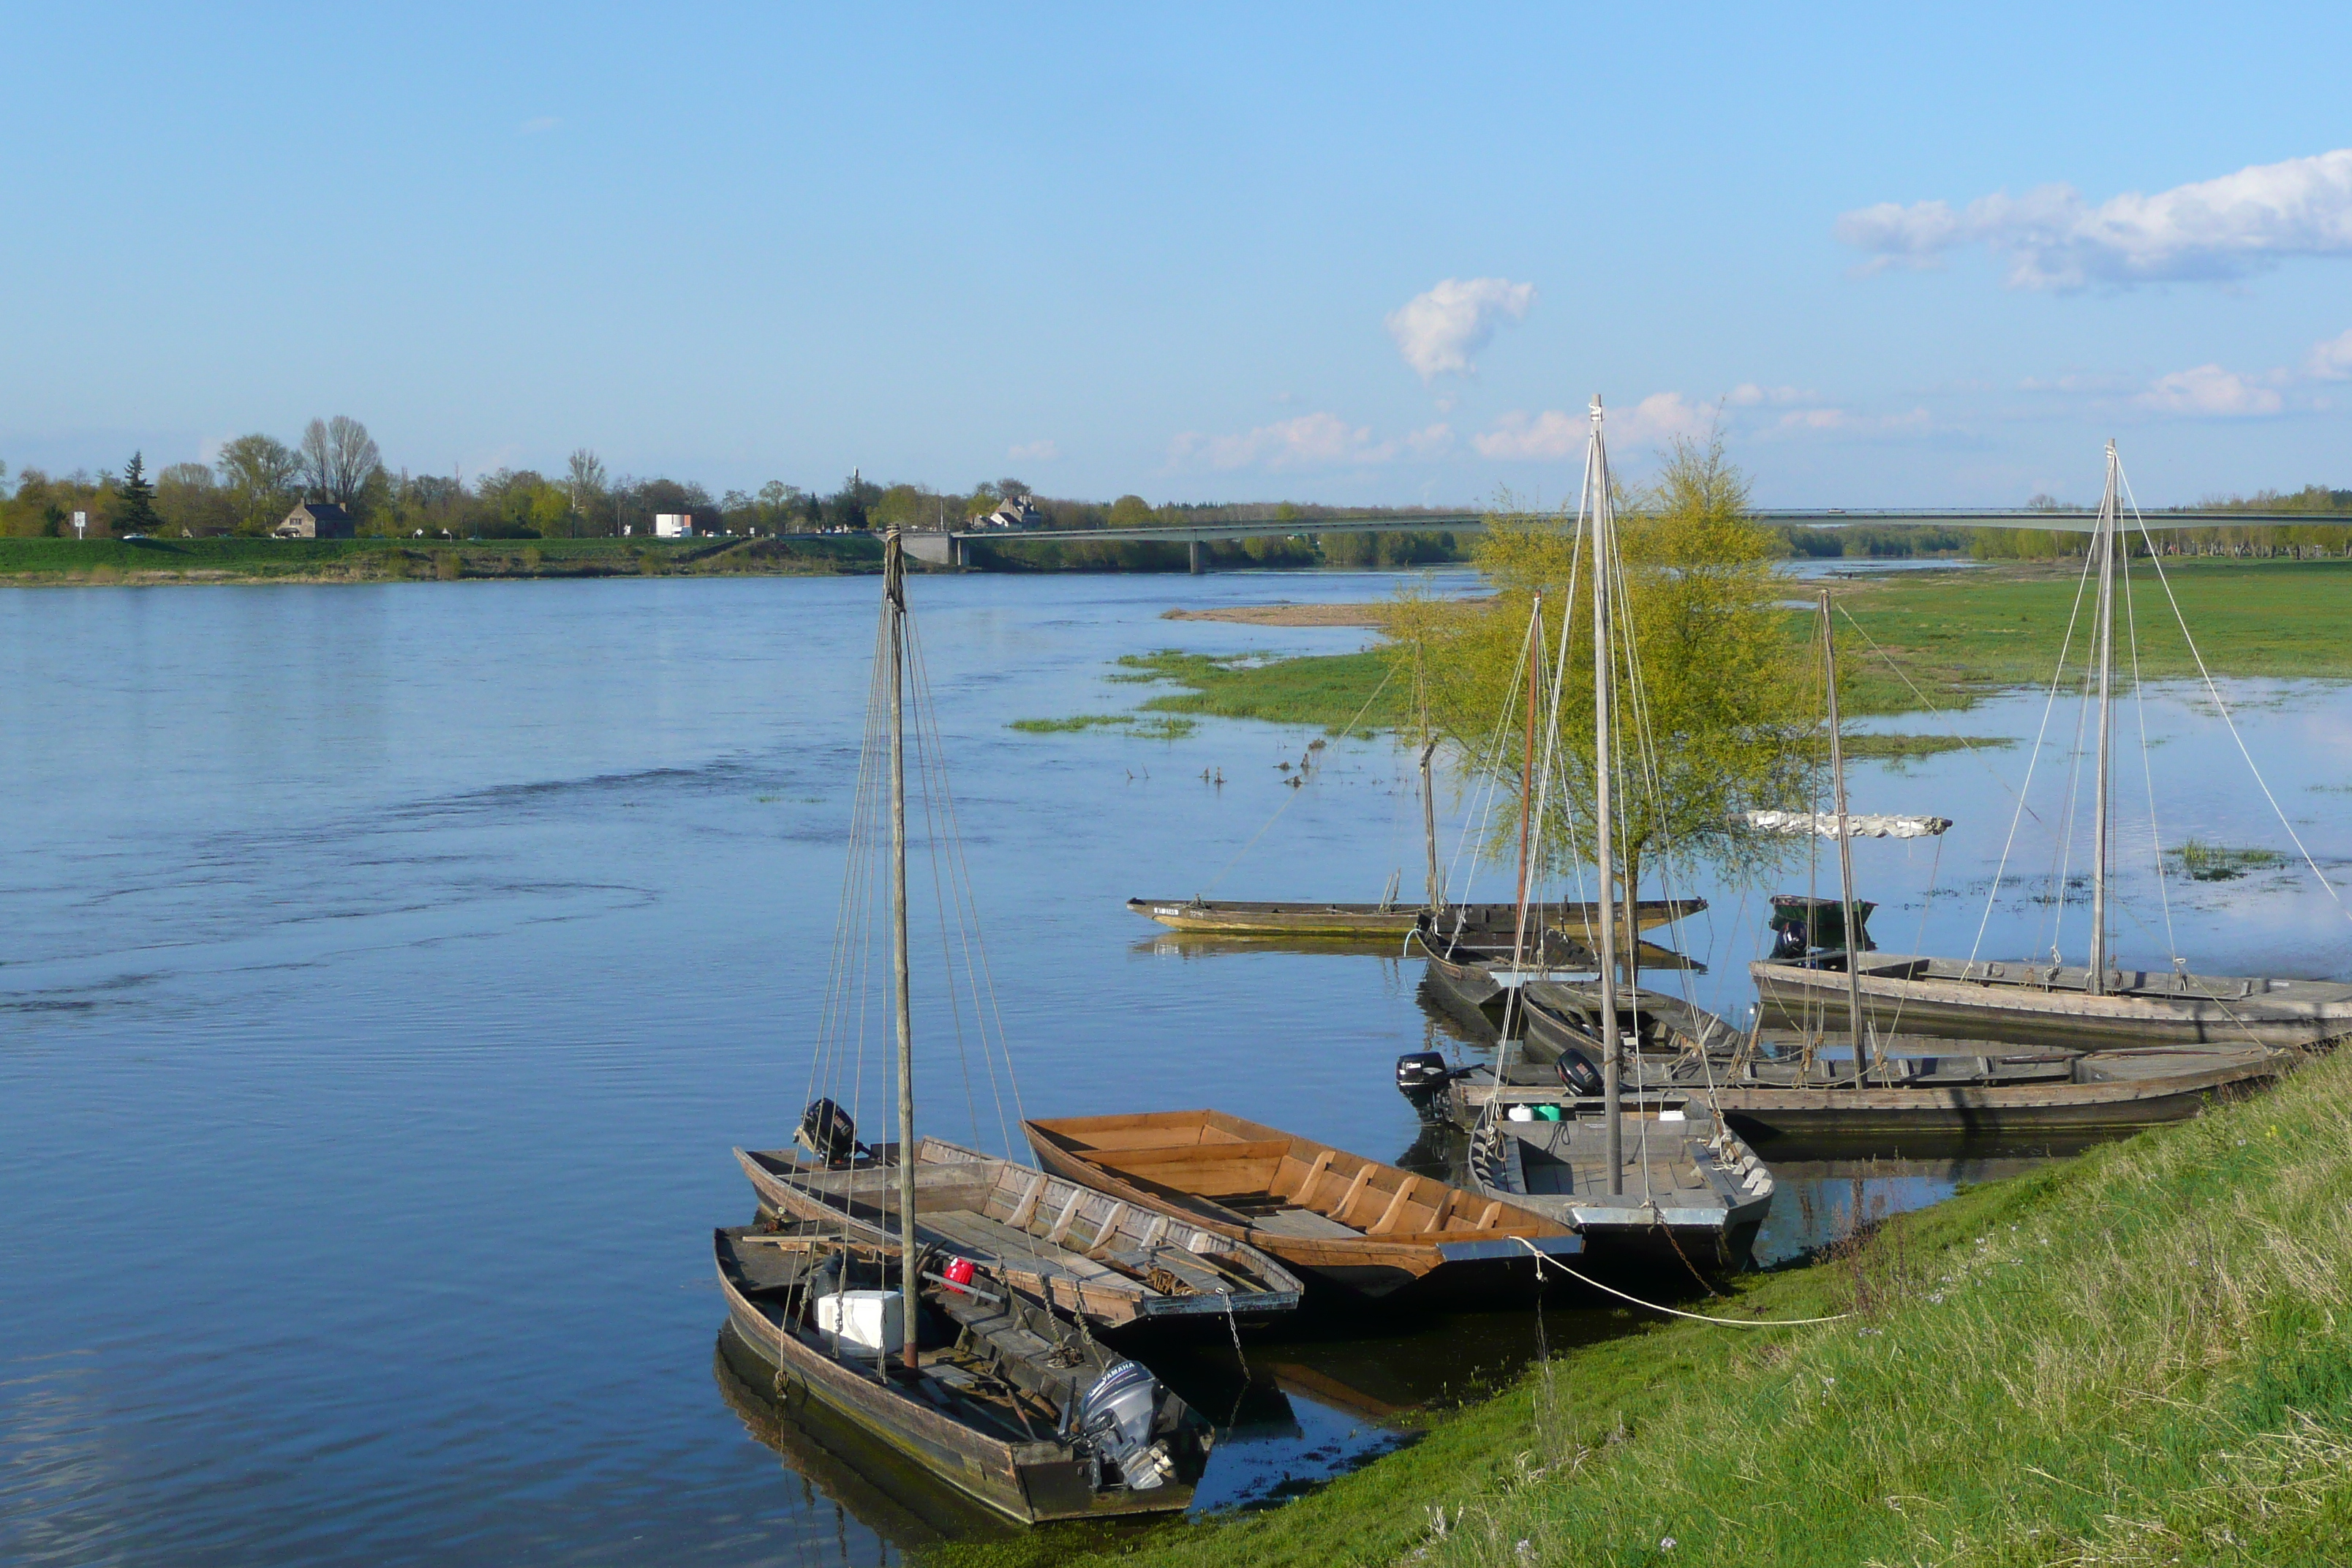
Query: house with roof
{"points": [[315, 520]]}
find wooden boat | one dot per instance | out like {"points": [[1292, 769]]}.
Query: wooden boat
{"points": [[2087, 1007], [1347, 1224], [1690, 1194], [1470, 975], [1232, 917], [2055, 1004], [1003, 1401], [1122, 1265], [1777, 1087]]}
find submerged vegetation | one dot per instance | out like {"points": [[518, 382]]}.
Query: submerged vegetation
{"points": [[1135, 726], [2203, 862], [2142, 1356]]}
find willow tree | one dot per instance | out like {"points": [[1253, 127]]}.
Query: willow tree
{"points": [[1716, 711]]}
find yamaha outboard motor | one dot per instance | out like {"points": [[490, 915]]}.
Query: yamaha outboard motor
{"points": [[1115, 1418], [827, 1132]]}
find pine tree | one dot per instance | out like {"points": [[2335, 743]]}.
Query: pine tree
{"points": [[134, 502]]}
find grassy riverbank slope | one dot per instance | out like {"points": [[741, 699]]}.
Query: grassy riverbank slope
{"points": [[1939, 639], [29, 563], [2142, 1356]]}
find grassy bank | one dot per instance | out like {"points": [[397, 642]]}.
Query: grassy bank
{"points": [[1943, 638], [2142, 1356], [39, 562]]}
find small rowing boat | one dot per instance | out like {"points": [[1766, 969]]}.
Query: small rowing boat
{"points": [[1347, 1224], [1384, 921]]}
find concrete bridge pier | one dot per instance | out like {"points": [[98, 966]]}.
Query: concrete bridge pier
{"points": [[1200, 557]]}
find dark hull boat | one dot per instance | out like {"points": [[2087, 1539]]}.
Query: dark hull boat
{"points": [[1470, 976], [2052, 1005], [1352, 1225], [1785, 1086], [1007, 1404], [1077, 1250], [1236, 917], [1691, 1195]]}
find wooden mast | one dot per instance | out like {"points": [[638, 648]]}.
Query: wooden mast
{"points": [[1596, 488], [1846, 851], [2097, 985], [1436, 891], [893, 597]]}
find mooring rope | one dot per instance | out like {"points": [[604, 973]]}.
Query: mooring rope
{"points": [[1542, 1261]]}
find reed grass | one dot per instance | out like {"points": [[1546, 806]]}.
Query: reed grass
{"points": [[2140, 1357], [2203, 862]]}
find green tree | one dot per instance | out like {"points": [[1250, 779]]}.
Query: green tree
{"points": [[1130, 512], [133, 510], [1716, 714], [258, 472]]}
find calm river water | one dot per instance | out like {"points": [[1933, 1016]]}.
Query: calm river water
{"points": [[388, 971]]}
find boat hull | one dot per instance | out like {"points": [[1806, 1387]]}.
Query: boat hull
{"points": [[2003, 1006], [1230, 916]]}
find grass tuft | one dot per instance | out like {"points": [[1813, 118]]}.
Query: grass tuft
{"points": [[2203, 862]]}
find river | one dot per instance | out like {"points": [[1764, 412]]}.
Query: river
{"points": [[389, 970]]}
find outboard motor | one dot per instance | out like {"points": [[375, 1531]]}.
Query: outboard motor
{"points": [[1114, 1419], [1580, 1075], [827, 1132], [1422, 1077]]}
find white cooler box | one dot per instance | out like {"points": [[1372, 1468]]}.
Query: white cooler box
{"points": [[871, 1322]]}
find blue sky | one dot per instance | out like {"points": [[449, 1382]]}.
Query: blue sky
{"points": [[1179, 254]]}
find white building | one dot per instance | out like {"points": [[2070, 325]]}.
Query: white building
{"points": [[1016, 513], [673, 525]]}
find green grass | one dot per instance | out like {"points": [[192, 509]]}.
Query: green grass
{"points": [[2203, 862], [1135, 726], [2141, 1356], [37, 560], [1936, 640]]}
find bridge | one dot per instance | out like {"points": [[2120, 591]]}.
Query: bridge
{"points": [[952, 547]]}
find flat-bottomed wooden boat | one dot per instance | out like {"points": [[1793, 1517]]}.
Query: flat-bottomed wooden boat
{"points": [[1347, 1224], [1009, 1410], [1121, 1264], [1239, 917]]}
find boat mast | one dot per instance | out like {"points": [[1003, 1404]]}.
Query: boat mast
{"points": [[894, 607], [2097, 984], [1596, 495], [1845, 848], [1528, 759], [1428, 796]]}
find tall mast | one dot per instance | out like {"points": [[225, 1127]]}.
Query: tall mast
{"points": [[1528, 757], [2097, 984], [894, 607], [1428, 796], [1596, 495], [1845, 849]]}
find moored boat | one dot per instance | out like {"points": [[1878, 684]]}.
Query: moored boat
{"points": [[992, 1395], [1347, 1224], [1385, 921], [1076, 1250]]}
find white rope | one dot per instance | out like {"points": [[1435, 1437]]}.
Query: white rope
{"points": [[2048, 706], [2215, 691], [1542, 1260]]}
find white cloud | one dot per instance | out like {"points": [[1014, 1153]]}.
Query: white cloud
{"points": [[538, 127], [1442, 331], [1311, 440], [1034, 452], [2054, 239], [1747, 395], [1552, 434], [2208, 390], [2330, 360], [1806, 421], [1434, 441]]}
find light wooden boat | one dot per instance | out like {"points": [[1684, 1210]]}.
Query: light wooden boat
{"points": [[1002, 1405], [1121, 1264], [2052, 1005], [1237, 917], [1347, 1224]]}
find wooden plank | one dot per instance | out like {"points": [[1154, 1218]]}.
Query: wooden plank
{"points": [[1148, 1154], [1027, 1208], [1486, 1218], [1355, 1190], [1396, 1206], [1304, 1194], [1110, 1224], [1159, 1229], [1069, 1212]]}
